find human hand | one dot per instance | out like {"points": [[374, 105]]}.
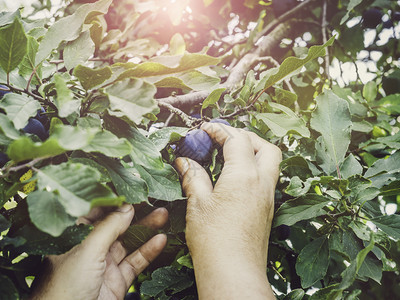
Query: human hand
{"points": [[100, 267], [229, 225]]}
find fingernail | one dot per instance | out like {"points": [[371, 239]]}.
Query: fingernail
{"points": [[124, 208]]}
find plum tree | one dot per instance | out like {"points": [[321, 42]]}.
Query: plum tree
{"points": [[372, 17], [196, 145]]}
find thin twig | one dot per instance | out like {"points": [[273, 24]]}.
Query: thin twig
{"points": [[6, 171], [324, 38], [188, 120]]}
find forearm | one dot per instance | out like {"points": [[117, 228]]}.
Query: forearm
{"points": [[230, 272]]}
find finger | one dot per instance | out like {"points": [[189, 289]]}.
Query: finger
{"points": [[268, 156], [108, 230], [195, 180], [94, 215], [156, 219], [117, 252], [136, 262], [237, 147]]}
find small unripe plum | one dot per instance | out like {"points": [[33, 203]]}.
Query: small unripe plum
{"points": [[3, 159], [196, 145], [3, 90], [35, 127], [372, 17], [222, 121]]}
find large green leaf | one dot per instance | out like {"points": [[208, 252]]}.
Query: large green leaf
{"points": [[19, 108], [7, 127], [65, 138], [132, 98], [77, 186], [190, 80], [333, 120], [143, 151], [164, 279], [13, 45], [90, 78], [385, 165], [312, 262], [389, 224], [163, 183], [165, 65], [28, 65], [292, 64], [40, 243], [166, 135], [78, 51], [135, 236], [7, 288], [107, 143], [65, 101], [47, 213], [69, 28], [302, 208], [281, 124], [126, 183]]}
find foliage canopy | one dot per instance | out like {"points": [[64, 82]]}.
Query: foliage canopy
{"points": [[116, 84]]}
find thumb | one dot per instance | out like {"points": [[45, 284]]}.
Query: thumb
{"points": [[196, 183], [108, 230]]}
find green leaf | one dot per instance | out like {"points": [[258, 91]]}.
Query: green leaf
{"points": [[126, 183], [389, 165], [390, 104], [302, 208], [7, 288], [370, 90], [47, 213], [76, 184], [389, 224], [350, 167], [190, 80], [132, 98], [297, 294], [392, 189], [281, 124], [350, 7], [212, 98], [292, 64], [163, 136], [90, 78], [186, 261], [165, 279], [107, 143], [19, 108], [13, 45], [7, 127], [27, 66], [65, 101], [312, 262], [333, 120], [143, 151], [349, 275], [135, 236], [40, 243], [78, 51], [177, 44], [163, 183], [165, 65], [58, 33]]}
